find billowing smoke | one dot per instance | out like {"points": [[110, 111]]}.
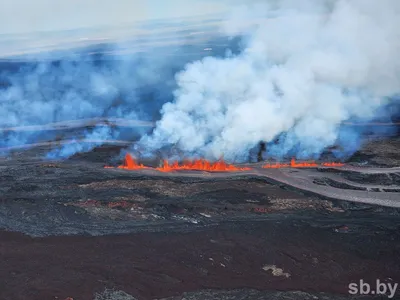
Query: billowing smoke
{"points": [[98, 135], [78, 87], [128, 80], [307, 67]]}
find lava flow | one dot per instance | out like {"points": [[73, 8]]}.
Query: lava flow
{"points": [[219, 166], [294, 164], [196, 165], [200, 165], [131, 164]]}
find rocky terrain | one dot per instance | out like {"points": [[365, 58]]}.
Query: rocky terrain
{"points": [[75, 229]]}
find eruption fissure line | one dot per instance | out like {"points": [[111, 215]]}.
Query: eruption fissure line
{"points": [[131, 164], [196, 165], [219, 166], [201, 165]]}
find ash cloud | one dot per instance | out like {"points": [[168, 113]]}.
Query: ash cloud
{"points": [[307, 67]]}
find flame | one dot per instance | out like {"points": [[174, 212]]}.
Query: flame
{"points": [[131, 164], [294, 164], [219, 166], [200, 165]]}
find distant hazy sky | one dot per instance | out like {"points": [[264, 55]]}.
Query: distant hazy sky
{"points": [[23, 16]]}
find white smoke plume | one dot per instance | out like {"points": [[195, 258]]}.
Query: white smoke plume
{"points": [[307, 66]]}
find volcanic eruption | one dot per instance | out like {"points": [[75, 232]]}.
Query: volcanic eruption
{"points": [[196, 165], [235, 182], [219, 166], [298, 74], [305, 69]]}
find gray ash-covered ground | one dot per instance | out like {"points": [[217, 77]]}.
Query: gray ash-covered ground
{"points": [[83, 228]]}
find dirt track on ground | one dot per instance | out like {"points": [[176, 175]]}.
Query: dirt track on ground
{"points": [[303, 179], [156, 235]]}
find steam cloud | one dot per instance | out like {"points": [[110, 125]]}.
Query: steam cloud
{"points": [[306, 67], [72, 86]]}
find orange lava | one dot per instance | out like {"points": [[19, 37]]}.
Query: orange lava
{"points": [[294, 164], [129, 164], [200, 165], [219, 166]]}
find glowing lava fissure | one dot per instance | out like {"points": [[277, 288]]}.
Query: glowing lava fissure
{"points": [[219, 166], [131, 164], [201, 165], [196, 165], [294, 164]]}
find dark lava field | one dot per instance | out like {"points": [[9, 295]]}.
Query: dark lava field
{"points": [[75, 229]]}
